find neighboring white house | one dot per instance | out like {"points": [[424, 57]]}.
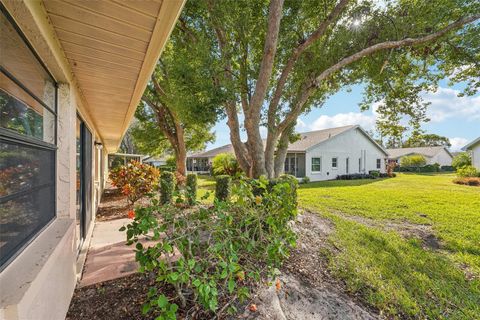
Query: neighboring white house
{"points": [[155, 161], [319, 155], [71, 76], [474, 148], [432, 155]]}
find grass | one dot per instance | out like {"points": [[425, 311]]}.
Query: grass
{"points": [[398, 275], [395, 274]]}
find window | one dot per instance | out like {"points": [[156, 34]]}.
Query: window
{"points": [[359, 164], [316, 164], [334, 162], [379, 163], [27, 142]]}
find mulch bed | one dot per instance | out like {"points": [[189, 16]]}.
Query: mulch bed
{"points": [[114, 205]]}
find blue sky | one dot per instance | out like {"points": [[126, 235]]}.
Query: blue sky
{"points": [[457, 118]]}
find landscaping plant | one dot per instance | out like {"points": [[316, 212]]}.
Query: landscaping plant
{"points": [[167, 187], [134, 180], [191, 190], [225, 164], [213, 257], [222, 187]]}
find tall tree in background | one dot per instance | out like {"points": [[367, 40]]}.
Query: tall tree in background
{"points": [[426, 140], [181, 103], [281, 58]]}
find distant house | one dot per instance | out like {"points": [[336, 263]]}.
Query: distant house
{"points": [[155, 161], [474, 148], [319, 155], [432, 155]]}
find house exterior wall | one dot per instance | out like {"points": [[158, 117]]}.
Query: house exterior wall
{"points": [[476, 156], [352, 145], [443, 158], [39, 282]]}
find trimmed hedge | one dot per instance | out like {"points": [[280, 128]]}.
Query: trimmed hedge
{"points": [[167, 187], [426, 168], [223, 187], [191, 192]]}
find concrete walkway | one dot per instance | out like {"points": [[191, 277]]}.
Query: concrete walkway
{"points": [[109, 257]]}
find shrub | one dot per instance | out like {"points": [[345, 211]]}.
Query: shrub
{"points": [[222, 250], [305, 179], [415, 160], [135, 180], [461, 160], [447, 168], [167, 186], [191, 191], [167, 168], [468, 172], [171, 162], [223, 187], [225, 164], [374, 173], [468, 181]]}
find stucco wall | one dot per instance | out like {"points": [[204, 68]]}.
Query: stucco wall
{"points": [[476, 156], [353, 145], [443, 158]]}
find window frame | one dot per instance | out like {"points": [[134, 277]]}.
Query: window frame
{"points": [[336, 163], [379, 163], [12, 137], [316, 164]]}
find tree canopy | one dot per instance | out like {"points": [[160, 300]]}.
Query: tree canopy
{"points": [[181, 102], [275, 60]]}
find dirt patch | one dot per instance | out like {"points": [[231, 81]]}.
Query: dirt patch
{"points": [[406, 229], [114, 205], [307, 290]]}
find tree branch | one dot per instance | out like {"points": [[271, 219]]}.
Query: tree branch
{"points": [[272, 108], [269, 51], [407, 42]]}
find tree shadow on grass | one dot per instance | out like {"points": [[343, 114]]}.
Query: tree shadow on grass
{"points": [[400, 277]]}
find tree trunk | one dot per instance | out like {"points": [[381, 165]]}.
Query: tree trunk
{"points": [[270, 147], [282, 151]]}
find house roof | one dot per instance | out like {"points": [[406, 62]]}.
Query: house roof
{"points": [[307, 140], [472, 144], [212, 153], [424, 151]]}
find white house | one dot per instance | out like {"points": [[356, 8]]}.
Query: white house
{"points": [[432, 155], [319, 155], [474, 148], [71, 76]]}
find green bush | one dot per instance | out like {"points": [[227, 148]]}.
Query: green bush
{"points": [[374, 173], [223, 187], [221, 251], [191, 191], [468, 172], [305, 180], [167, 186], [415, 160], [461, 160], [225, 164]]}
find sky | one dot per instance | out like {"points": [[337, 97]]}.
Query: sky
{"points": [[457, 118]]}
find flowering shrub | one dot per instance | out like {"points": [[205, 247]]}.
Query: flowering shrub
{"points": [[213, 256], [469, 181], [134, 180]]}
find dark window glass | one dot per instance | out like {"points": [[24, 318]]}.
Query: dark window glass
{"points": [[379, 163], [316, 164], [334, 162], [27, 194]]}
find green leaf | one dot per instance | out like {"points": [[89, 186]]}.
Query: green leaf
{"points": [[146, 308], [231, 286], [196, 282], [162, 301]]}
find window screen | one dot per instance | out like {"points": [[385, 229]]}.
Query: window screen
{"points": [[27, 142]]}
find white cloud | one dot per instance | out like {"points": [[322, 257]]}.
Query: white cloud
{"points": [[458, 143], [445, 104], [300, 125], [344, 119]]}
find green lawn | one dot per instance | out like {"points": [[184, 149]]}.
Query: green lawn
{"points": [[396, 274]]}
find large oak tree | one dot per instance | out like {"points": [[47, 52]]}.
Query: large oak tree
{"points": [[278, 59]]}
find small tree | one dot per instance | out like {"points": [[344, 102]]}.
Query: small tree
{"points": [[134, 180], [225, 163], [461, 160], [415, 161], [167, 186]]}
